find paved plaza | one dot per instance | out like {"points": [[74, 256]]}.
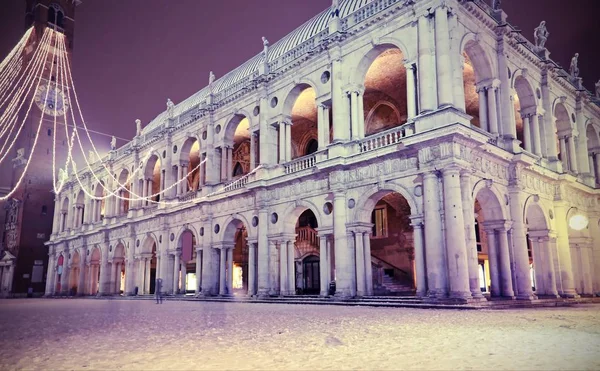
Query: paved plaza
{"points": [[78, 334]]}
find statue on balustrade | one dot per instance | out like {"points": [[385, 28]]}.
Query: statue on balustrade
{"points": [[138, 127], [540, 35], [598, 89], [573, 69], [113, 143]]}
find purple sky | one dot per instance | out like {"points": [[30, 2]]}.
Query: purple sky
{"points": [[131, 55]]}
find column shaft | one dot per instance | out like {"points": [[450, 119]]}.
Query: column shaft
{"points": [[323, 265], [361, 285], [520, 256], [483, 120], [263, 253], [283, 266], [536, 135], [198, 271], [176, 265], [573, 155], [354, 110], [252, 269], [470, 237], [492, 245], [229, 252], [434, 245], [222, 272], [442, 58], [344, 266], [368, 266], [291, 271], [288, 141], [427, 96], [282, 143], [492, 110], [526, 134], [411, 96]]}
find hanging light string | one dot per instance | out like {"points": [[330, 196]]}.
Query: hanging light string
{"points": [[41, 69], [10, 113], [37, 135], [112, 176], [14, 59], [18, 48]]}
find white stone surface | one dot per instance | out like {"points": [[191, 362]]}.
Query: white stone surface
{"points": [[89, 334]]}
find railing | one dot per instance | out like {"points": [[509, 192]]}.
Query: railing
{"points": [[236, 184], [386, 138], [299, 164], [190, 195], [371, 9], [307, 234]]}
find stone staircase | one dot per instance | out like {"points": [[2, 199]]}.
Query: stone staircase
{"points": [[392, 286]]}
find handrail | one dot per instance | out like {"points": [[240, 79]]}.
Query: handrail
{"points": [[390, 264], [301, 163], [386, 138]]}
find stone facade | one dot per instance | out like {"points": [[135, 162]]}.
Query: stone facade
{"points": [[449, 157]]}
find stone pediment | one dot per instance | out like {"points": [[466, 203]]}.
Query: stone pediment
{"points": [[8, 257]]}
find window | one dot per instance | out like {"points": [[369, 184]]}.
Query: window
{"points": [[55, 15], [312, 147], [478, 237], [49, 132], [238, 170], [379, 220], [44, 210]]}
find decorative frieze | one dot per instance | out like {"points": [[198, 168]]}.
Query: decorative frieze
{"points": [[372, 171]]}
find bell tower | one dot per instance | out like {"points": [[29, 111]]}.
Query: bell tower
{"points": [[27, 217]]}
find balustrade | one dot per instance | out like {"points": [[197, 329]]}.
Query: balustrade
{"points": [[299, 164], [385, 138]]}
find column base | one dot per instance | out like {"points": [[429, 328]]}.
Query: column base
{"points": [[526, 297], [420, 294], [570, 295], [477, 294]]}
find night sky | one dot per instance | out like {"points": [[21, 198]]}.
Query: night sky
{"points": [[131, 55]]}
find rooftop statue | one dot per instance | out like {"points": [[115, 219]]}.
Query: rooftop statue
{"points": [[91, 156], [573, 69], [113, 143], [265, 45], [540, 35], [598, 89], [497, 4], [211, 78], [335, 8], [138, 127]]}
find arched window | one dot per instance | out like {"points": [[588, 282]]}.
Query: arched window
{"points": [[238, 170], [55, 15], [312, 147], [44, 210]]}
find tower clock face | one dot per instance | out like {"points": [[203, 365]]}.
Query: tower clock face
{"points": [[51, 100]]}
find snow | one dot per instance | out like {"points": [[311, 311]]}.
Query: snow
{"points": [[43, 334]]}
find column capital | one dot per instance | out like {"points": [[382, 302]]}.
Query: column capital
{"points": [[416, 221], [499, 225]]}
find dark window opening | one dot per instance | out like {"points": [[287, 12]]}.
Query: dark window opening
{"points": [[312, 147], [44, 210], [238, 170], [55, 17], [49, 132]]}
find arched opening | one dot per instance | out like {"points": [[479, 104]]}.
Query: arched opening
{"points": [[311, 147], [526, 117], [234, 259], [98, 204], [74, 273], [236, 147], [152, 182], [304, 119], [492, 251], [480, 94], [392, 253], [93, 272], [79, 209], [540, 251], [238, 170], [60, 266], [64, 214], [188, 281], [55, 15], [147, 265], [190, 157], [565, 140], [385, 96], [119, 269], [307, 255], [124, 194], [593, 145]]}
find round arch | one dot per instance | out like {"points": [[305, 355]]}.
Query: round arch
{"points": [[478, 56], [151, 165], [232, 125], [292, 94], [534, 214], [361, 69], [230, 226], [148, 242], [293, 212], [187, 228], [491, 200], [373, 194]]}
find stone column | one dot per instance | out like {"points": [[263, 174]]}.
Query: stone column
{"points": [[354, 113], [564, 251], [361, 115], [49, 274], [585, 251], [282, 142], [483, 120], [210, 260], [344, 266], [291, 272], [535, 131], [229, 253], [361, 287], [283, 269], [494, 262], [176, 265], [104, 276], [320, 125], [288, 141], [252, 268], [421, 283], [434, 242], [223, 163], [252, 150], [263, 252], [339, 100], [597, 157], [520, 256], [526, 133], [273, 268], [411, 94], [183, 277], [572, 155], [113, 277], [147, 276], [493, 107], [184, 173], [198, 271], [325, 126], [427, 95], [442, 57], [222, 267], [548, 244], [468, 206], [458, 268], [229, 163], [368, 266], [323, 265], [164, 272]]}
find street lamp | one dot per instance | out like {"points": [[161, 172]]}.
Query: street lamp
{"points": [[578, 222]]}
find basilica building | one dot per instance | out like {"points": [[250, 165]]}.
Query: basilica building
{"points": [[391, 147]]}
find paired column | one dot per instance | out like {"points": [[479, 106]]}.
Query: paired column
{"points": [[536, 135], [263, 252], [198, 270], [361, 284], [483, 120], [252, 150], [323, 125], [368, 266], [323, 262], [519, 256], [493, 107], [176, 265], [222, 271], [493, 256], [357, 114], [505, 266], [572, 155], [283, 269], [411, 93], [229, 163], [526, 133], [252, 268], [291, 271]]}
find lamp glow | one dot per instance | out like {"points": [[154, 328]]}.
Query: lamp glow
{"points": [[578, 222]]}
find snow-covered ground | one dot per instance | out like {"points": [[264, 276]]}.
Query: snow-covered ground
{"points": [[121, 334]]}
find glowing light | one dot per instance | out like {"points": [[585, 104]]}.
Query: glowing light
{"points": [[578, 222]]}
